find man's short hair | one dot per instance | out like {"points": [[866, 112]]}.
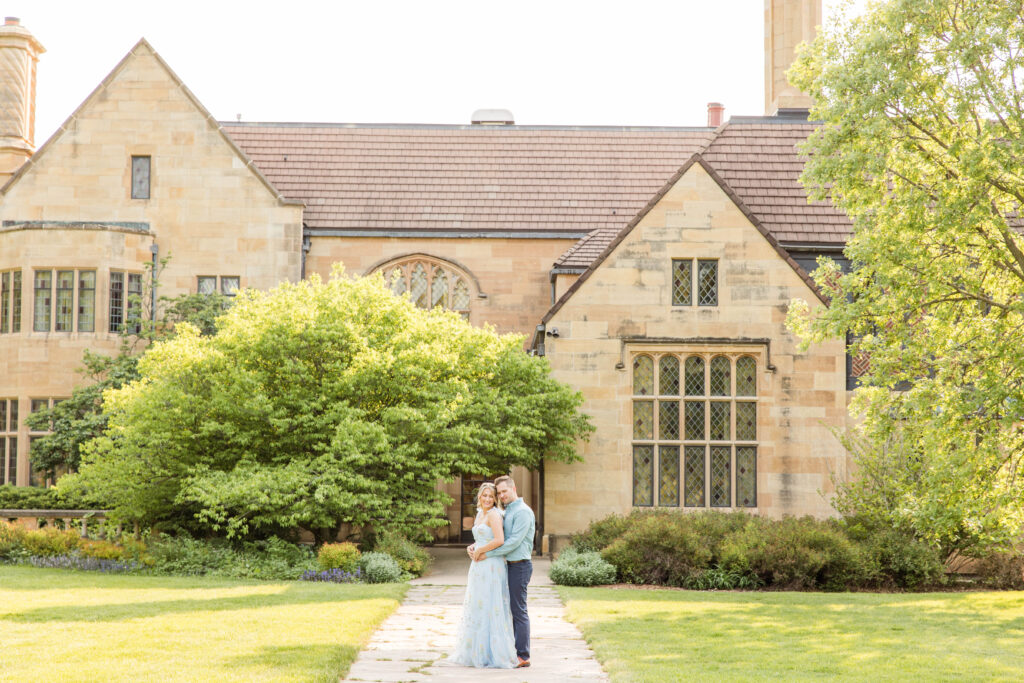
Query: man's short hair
{"points": [[504, 479]]}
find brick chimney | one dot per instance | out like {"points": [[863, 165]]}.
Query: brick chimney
{"points": [[716, 111], [787, 23], [19, 53]]}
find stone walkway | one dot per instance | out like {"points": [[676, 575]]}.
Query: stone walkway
{"points": [[412, 644]]}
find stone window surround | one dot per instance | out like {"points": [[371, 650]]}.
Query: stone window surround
{"points": [[219, 284], [12, 304], [9, 438], [757, 349]]}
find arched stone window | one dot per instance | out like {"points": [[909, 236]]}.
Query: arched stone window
{"points": [[430, 282]]}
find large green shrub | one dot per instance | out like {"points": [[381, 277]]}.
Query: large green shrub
{"points": [[588, 568], [270, 559], [895, 558], [50, 541], [795, 553], [602, 532], [661, 549], [343, 556], [11, 537], [380, 568], [1001, 569]]}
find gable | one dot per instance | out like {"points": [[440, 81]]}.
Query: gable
{"points": [[141, 108], [695, 214]]}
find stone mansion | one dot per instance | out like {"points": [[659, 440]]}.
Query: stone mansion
{"points": [[652, 266]]}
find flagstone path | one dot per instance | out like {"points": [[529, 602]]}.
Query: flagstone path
{"points": [[412, 644]]}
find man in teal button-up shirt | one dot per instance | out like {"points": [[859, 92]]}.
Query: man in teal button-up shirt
{"points": [[519, 526]]}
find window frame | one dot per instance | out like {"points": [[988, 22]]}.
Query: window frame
{"points": [[683, 445], [453, 275], [9, 423], [694, 299], [141, 165]]}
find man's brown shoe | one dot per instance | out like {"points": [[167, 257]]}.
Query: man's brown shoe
{"points": [[523, 663]]}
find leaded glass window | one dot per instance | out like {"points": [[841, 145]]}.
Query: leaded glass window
{"points": [[746, 421], [116, 312], [430, 284], [668, 376], [230, 284], [439, 289], [695, 420], [694, 376], [720, 376], [746, 476], [668, 420], [682, 282], [746, 376], [643, 375], [707, 283], [720, 477], [5, 304], [718, 429], [16, 304], [133, 302], [206, 284], [694, 476], [698, 428], [668, 476], [65, 300], [42, 310], [418, 286], [643, 419], [643, 475], [86, 300]]}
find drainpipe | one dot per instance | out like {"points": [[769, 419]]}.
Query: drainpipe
{"points": [[306, 245], [154, 249]]}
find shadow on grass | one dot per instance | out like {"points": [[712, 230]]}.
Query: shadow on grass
{"points": [[292, 595], [311, 662]]}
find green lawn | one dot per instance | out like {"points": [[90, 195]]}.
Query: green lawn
{"points": [[58, 625], [662, 635]]}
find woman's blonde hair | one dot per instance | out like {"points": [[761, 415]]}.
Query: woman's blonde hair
{"points": [[494, 492]]}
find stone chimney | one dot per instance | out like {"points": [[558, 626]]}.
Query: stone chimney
{"points": [[19, 52], [787, 23], [716, 111]]}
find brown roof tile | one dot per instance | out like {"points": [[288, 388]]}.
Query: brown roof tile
{"points": [[467, 178]]}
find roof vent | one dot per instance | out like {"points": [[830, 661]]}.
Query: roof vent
{"points": [[492, 117]]}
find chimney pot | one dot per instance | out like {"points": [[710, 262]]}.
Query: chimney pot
{"points": [[716, 110], [11, 21]]}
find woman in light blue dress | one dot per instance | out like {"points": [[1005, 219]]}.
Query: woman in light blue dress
{"points": [[485, 637]]}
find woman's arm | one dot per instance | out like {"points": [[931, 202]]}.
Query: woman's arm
{"points": [[493, 521]]}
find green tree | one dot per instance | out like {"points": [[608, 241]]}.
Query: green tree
{"points": [[318, 404], [921, 146], [80, 418]]}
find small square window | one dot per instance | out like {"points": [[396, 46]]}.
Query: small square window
{"points": [[207, 284], [140, 177]]}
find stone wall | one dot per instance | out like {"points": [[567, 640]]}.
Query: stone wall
{"points": [[624, 307]]}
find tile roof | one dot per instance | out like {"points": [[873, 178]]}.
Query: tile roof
{"points": [[500, 179], [757, 157]]}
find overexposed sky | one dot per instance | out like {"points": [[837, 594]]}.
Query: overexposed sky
{"points": [[557, 62]]}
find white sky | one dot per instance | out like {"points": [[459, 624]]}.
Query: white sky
{"points": [[641, 62]]}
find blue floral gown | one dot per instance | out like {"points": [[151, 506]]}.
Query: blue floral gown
{"points": [[485, 637]]}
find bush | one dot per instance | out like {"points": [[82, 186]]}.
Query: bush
{"points": [[103, 550], [83, 563], [903, 561], [573, 568], [1002, 569], [719, 579], [410, 557], [50, 541], [34, 498], [11, 540], [380, 568], [343, 556], [603, 532], [273, 558], [796, 554], [661, 549]]}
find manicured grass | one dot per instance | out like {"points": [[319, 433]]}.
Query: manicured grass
{"points": [[662, 635], [59, 625]]}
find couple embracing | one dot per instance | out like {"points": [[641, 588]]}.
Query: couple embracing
{"points": [[495, 627]]}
